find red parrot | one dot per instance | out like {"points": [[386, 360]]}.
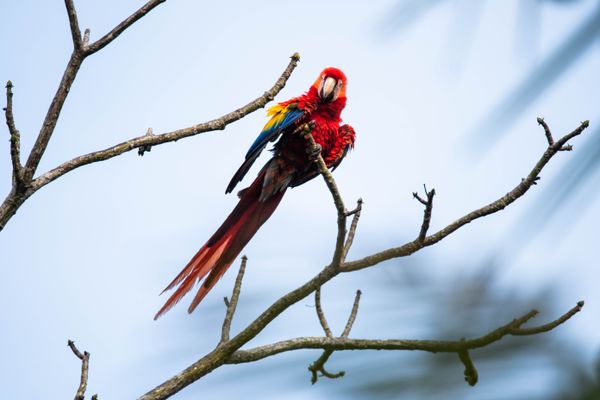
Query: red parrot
{"points": [[290, 166]]}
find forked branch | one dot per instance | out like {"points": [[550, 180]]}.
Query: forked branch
{"points": [[518, 191], [24, 183], [513, 327], [15, 139], [85, 364], [231, 352]]}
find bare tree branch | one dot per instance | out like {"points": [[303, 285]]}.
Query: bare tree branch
{"points": [[470, 372], [322, 319], [85, 364], [14, 200], [52, 115], [15, 139], [549, 137], [501, 203], [117, 30], [427, 213], [338, 344], [86, 37], [319, 364], [353, 226], [352, 316], [551, 325], [173, 136], [231, 305], [75, 31]]}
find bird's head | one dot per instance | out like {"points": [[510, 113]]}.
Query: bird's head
{"points": [[330, 85]]}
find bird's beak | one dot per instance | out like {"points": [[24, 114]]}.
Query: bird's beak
{"points": [[327, 91]]}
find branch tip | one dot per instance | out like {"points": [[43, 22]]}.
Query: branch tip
{"points": [[470, 372], [295, 56], [353, 314], [74, 25], [86, 37], [320, 314], [231, 305], [518, 331], [352, 232], [85, 362]]}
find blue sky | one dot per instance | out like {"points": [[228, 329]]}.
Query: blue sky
{"points": [[86, 257]]}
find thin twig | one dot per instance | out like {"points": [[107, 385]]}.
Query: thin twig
{"points": [[551, 325], [426, 213], [117, 30], [549, 137], [85, 363], [86, 36], [352, 316], [470, 372], [320, 313], [353, 226], [231, 305], [547, 131], [15, 139], [319, 366], [74, 24]]}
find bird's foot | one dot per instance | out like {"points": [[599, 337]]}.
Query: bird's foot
{"points": [[305, 129], [314, 151]]}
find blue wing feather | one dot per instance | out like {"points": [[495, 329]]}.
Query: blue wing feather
{"points": [[274, 131], [282, 118]]}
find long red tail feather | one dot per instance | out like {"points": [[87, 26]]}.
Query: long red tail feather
{"points": [[217, 255]]}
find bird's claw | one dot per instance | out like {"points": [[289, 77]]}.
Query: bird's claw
{"points": [[314, 151], [305, 129]]}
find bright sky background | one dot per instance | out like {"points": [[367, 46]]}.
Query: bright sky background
{"points": [[86, 257]]}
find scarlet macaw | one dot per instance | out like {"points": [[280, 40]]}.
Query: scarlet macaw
{"points": [[290, 166]]}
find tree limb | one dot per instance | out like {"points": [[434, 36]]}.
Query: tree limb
{"points": [[353, 225], [319, 364], [16, 198], [74, 24], [15, 139], [231, 305], [433, 346], [501, 203], [117, 30], [320, 313], [173, 136], [85, 364], [427, 213]]}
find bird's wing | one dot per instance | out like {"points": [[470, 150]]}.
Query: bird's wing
{"points": [[282, 116]]}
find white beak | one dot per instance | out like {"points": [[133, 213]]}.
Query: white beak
{"points": [[327, 92]]}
